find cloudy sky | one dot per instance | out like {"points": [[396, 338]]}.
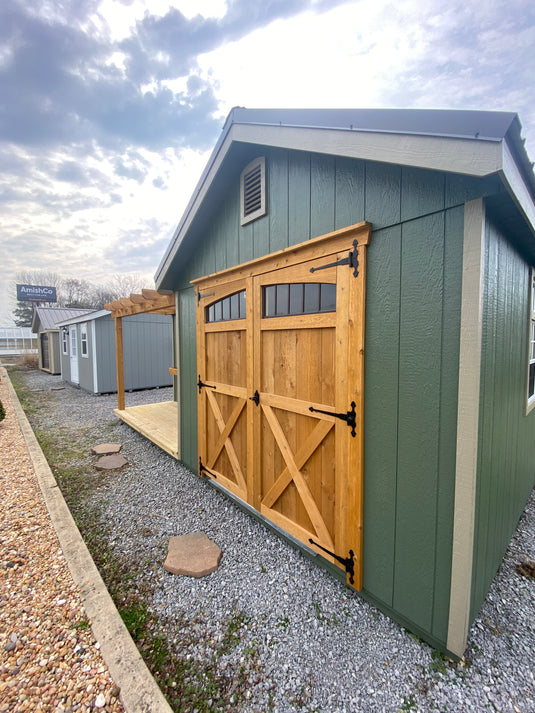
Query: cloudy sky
{"points": [[109, 108]]}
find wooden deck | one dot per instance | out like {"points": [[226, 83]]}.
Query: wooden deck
{"points": [[157, 422]]}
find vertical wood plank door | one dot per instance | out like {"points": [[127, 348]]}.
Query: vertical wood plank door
{"points": [[223, 366], [280, 344]]}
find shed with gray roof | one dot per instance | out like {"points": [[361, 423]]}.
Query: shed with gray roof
{"points": [[45, 325], [355, 306]]}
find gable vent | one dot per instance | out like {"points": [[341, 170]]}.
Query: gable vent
{"points": [[253, 190]]}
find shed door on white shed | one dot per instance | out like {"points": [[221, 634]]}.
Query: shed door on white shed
{"points": [[73, 335]]}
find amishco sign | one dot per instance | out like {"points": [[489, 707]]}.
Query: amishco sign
{"points": [[34, 293]]}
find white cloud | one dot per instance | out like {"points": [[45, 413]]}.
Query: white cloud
{"points": [[110, 201]]}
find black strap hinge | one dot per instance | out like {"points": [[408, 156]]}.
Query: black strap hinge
{"points": [[200, 384], [200, 297], [352, 260], [350, 417], [204, 469], [347, 562]]}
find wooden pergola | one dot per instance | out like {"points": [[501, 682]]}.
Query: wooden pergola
{"points": [[148, 302], [157, 422]]}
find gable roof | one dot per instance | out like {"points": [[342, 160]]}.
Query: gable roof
{"points": [[50, 317], [89, 316], [475, 143]]}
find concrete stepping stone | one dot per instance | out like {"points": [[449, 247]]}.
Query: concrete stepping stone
{"points": [[193, 555], [527, 569], [106, 449], [110, 462]]}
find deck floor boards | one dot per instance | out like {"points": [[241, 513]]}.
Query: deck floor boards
{"points": [[157, 422]]}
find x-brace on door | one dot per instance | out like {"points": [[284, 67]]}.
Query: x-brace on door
{"points": [[280, 344]]}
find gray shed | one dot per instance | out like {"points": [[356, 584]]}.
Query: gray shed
{"points": [[88, 352], [45, 325]]}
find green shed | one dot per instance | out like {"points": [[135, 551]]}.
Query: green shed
{"points": [[354, 298]]}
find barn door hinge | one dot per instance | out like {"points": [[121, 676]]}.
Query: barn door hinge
{"points": [[255, 398], [204, 469], [348, 562], [352, 260], [200, 297], [200, 384], [350, 417]]}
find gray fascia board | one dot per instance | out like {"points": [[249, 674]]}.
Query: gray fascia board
{"points": [[474, 156]]}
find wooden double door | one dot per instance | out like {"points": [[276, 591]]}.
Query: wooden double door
{"points": [[280, 346]]}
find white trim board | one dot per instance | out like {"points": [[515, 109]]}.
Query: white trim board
{"points": [[467, 426]]}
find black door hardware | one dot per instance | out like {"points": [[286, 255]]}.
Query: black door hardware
{"points": [[200, 384], [350, 417], [204, 469], [255, 398], [200, 297], [352, 260], [348, 562]]}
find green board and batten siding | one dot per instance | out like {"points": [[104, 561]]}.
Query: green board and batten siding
{"points": [[412, 345], [506, 453]]}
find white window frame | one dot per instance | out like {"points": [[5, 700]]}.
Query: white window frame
{"points": [[530, 398], [262, 210], [65, 340], [84, 345]]}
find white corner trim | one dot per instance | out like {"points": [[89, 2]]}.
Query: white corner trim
{"points": [[94, 356], [467, 425]]}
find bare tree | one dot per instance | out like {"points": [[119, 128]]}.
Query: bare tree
{"points": [[122, 285]]}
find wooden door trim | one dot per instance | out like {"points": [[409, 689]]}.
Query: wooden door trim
{"points": [[320, 247]]}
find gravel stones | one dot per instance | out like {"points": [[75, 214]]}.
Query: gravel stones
{"points": [[49, 659], [301, 641], [193, 555]]}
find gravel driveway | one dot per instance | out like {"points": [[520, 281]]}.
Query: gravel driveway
{"points": [[303, 641]]}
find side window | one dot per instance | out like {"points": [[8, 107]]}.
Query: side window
{"points": [[531, 340], [298, 298], [83, 340], [253, 191], [65, 340], [230, 307]]}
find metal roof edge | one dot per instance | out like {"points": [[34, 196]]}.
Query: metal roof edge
{"points": [[87, 317]]}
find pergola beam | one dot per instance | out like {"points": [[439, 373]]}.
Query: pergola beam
{"points": [[149, 302]]}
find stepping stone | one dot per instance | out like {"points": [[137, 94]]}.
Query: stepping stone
{"points": [[527, 569], [193, 555], [110, 462], [106, 449]]}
